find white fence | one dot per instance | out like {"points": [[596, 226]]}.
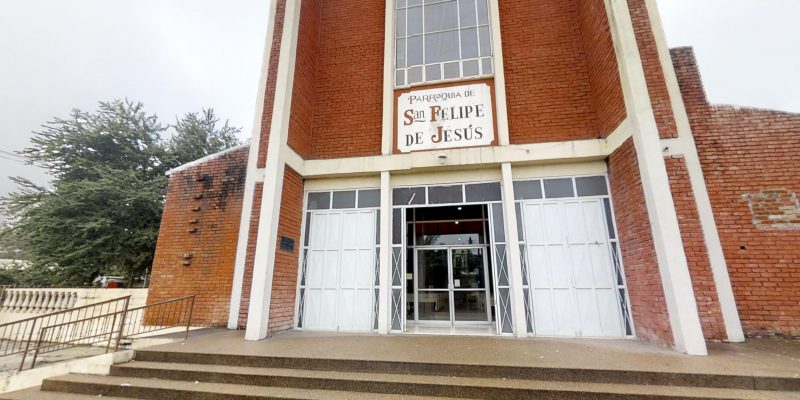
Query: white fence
{"points": [[18, 304]]}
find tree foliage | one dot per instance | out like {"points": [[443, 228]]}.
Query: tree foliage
{"points": [[101, 213]]}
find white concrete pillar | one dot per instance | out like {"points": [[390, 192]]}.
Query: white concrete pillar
{"points": [[673, 267], [385, 291], [266, 240], [514, 256]]}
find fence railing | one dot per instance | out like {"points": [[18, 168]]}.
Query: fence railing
{"points": [[107, 323]]}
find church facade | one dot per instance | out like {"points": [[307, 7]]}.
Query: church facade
{"points": [[517, 168]]}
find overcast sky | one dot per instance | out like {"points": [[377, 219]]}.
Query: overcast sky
{"points": [[179, 56]]}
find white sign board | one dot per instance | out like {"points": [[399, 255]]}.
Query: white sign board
{"points": [[445, 118]]}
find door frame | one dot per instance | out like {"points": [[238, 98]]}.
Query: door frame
{"points": [[451, 286]]}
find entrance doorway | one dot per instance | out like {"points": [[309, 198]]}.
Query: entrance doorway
{"points": [[448, 279]]}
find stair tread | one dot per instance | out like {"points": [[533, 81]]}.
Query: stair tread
{"points": [[230, 389], [36, 394], [689, 392]]}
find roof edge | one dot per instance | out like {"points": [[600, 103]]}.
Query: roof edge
{"points": [[206, 159]]}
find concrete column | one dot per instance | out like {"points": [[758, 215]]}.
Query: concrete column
{"points": [[719, 267], [673, 267], [266, 240], [514, 259], [251, 180], [385, 292]]}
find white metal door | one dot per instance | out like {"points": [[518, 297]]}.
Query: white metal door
{"points": [[340, 271], [573, 291]]}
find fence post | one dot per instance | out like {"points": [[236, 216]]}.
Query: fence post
{"points": [[122, 323], [38, 346]]}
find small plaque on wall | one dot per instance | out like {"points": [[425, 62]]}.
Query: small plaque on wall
{"points": [[287, 244]]}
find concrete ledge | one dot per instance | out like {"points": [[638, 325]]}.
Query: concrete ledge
{"points": [[97, 365]]}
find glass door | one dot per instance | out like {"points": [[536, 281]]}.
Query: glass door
{"points": [[452, 285]]}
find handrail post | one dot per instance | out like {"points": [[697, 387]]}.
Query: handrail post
{"points": [[27, 346], [122, 322], [38, 346], [189, 320]]}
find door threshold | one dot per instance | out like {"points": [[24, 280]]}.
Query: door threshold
{"points": [[451, 330]]}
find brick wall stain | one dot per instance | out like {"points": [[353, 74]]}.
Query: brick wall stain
{"points": [[774, 210], [646, 292], [196, 247], [749, 155]]}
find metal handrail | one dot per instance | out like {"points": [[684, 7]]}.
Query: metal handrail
{"points": [[88, 325]]}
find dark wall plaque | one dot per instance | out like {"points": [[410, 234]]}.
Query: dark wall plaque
{"points": [[287, 244]]}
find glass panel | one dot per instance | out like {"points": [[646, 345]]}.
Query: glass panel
{"points": [[558, 188], [471, 68], [415, 21], [454, 233], [432, 269], [397, 226], [528, 316], [397, 268], [441, 16], [442, 46], [344, 199], [467, 13], [449, 213], [400, 78], [408, 196], [505, 310], [445, 194], [319, 201], [486, 41], [433, 72], [483, 192], [400, 27], [401, 54], [520, 229], [414, 2], [483, 12], [470, 306], [591, 186], [502, 265], [369, 198], [452, 70], [397, 304], [308, 229], [527, 190], [434, 306], [612, 234], [499, 224], [469, 43], [401, 3], [468, 272], [488, 67], [415, 75], [414, 51]]}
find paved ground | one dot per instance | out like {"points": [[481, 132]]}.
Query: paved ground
{"points": [[757, 357]]}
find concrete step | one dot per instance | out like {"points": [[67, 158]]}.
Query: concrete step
{"points": [[427, 385], [37, 394], [625, 377], [155, 389]]}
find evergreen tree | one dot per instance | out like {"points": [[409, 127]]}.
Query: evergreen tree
{"points": [[101, 213]]}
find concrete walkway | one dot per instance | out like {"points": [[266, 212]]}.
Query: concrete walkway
{"points": [[757, 357]]}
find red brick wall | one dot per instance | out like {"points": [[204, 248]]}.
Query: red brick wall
{"points": [[649, 307], [694, 245], [750, 155], [284, 281], [196, 248], [547, 80], [601, 61], [654, 73], [349, 113], [304, 94], [251, 255], [272, 75]]}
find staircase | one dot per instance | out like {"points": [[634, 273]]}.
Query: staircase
{"points": [[175, 375]]}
